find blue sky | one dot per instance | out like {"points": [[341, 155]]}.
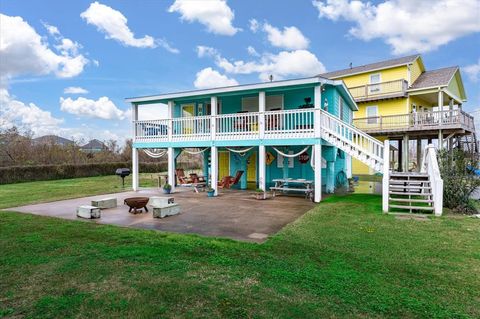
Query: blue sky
{"points": [[118, 49]]}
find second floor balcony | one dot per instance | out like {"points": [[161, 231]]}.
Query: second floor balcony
{"points": [[417, 121], [283, 124], [377, 91]]}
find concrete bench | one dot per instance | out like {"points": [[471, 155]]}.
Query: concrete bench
{"points": [[156, 201], [166, 210], [105, 203], [87, 211]]}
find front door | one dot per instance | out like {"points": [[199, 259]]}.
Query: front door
{"points": [[188, 110], [223, 164], [252, 168]]}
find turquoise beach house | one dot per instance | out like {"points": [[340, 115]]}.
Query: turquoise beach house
{"points": [[283, 130]]}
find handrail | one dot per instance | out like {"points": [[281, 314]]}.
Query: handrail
{"points": [[430, 166], [376, 90]]}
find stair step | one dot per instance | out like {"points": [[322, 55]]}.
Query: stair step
{"points": [[408, 200], [409, 174], [405, 193], [412, 207], [401, 182], [409, 187]]}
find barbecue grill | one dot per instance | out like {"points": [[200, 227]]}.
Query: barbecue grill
{"points": [[123, 172]]}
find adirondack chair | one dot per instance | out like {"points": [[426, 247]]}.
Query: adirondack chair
{"points": [[228, 181], [181, 178]]}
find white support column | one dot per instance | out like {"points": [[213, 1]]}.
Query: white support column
{"points": [[317, 156], [440, 101], [171, 105], [135, 168], [317, 104], [348, 163], [262, 183], [386, 175], [134, 149], [406, 155], [213, 126], [214, 169], [440, 139], [261, 110], [171, 168]]}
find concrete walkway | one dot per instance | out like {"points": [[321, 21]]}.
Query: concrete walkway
{"points": [[233, 214]]}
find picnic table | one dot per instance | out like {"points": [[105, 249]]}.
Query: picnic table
{"points": [[284, 185]]}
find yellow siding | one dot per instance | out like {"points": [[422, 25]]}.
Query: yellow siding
{"points": [[223, 164], [252, 168], [392, 74], [386, 107], [358, 168], [415, 99], [415, 70], [454, 87]]}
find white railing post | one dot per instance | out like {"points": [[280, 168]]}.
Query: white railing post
{"points": [[261, 115], [386, 175], [214, 169], [262, 183], [134, 168], [317, 158], [170, 121], [213, 107]]}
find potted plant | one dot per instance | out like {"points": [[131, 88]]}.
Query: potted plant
{"points": [[167, 188], [210, 191], [260, 194]]}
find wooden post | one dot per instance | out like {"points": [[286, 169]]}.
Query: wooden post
{"points": [[171, 168], [214, 169], [317, 150], [262, 183], [386, 175]]}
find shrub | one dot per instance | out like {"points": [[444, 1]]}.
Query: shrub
{"points": [[15, 174], [460, 179]]}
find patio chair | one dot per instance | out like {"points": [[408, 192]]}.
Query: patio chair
{"points": [[228, 181], [181, 178], [197, 179]]}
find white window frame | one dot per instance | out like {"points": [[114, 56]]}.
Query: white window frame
{"points": [[375, 119], [372, 87]]}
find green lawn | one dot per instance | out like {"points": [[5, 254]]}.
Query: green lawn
{"points": [[344, 258]]}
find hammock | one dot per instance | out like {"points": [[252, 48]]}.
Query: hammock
{"points": [[240, 152], [291, 155], [155, 153], [195, 152]]}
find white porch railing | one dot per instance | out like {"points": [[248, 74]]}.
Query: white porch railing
{"points": [[379, 90], [430, 166], [236, 126], [416, 121]]}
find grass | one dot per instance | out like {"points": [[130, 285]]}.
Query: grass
{"points": [[344, 258]]}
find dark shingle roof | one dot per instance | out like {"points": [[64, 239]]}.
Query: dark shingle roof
{"points": [[439, 77], [53, 139], [370, 67]]}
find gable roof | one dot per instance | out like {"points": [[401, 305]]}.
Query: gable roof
{"points": [[435, 78], [54, 139], [372, 67], [93, 144]]}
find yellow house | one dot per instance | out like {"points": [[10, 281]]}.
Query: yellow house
{"points": [[401, 101]]}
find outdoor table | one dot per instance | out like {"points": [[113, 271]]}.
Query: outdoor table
{"points": [[293, 185]]}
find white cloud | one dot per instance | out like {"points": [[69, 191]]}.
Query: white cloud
{"points": [[281, 65], [290, 38], [53, 30], [209, 78], [254, 25], [406, 25], [251, 51], [75, 90], [102, 108], [27, 117], [23, 51], [216, 15], [473, 71], [114, 25]]}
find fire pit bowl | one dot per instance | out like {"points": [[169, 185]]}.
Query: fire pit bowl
{"points": [[136, 203]]}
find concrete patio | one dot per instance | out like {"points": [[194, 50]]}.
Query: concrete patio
{"points": [[233, 214]]}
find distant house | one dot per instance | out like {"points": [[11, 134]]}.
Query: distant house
{"points": [[52, 139], [93, 146]]}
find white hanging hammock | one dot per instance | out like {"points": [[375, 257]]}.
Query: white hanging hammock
{"points": [[155, 153], [195, 152], [291, 155], [239, 152]]}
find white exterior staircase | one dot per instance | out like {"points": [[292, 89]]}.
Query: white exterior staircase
{"points": [[352, 141], [410, 192]]}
